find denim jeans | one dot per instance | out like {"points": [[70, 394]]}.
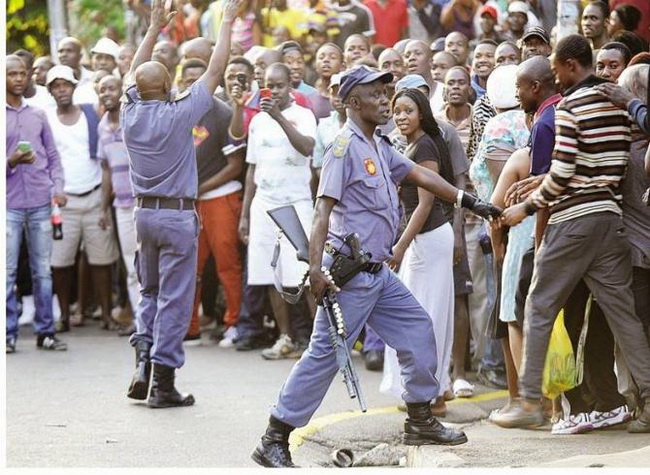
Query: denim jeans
{"points": [[36, 223], [493, 351]]}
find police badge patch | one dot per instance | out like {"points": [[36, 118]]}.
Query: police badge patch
{"points": [[340, 144], [371, 168]]}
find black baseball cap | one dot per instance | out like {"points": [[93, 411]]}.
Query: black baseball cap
{"points": [[361, 75], [537, 31]]}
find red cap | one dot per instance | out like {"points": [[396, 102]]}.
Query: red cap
{"points": [[489, 10]]}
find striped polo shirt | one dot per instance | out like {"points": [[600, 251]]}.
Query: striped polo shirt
{"points": [[591, 154]]}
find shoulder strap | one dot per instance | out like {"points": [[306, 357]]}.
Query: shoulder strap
{"points": [[93, 122]]}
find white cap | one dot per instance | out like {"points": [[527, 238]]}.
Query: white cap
{"points": [[335, 80], [60, 72], [502, 88], [518, 7], [106, 46]]}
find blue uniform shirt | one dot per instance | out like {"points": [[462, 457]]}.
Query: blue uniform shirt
{"points": [[158, 137], [363, 178]]}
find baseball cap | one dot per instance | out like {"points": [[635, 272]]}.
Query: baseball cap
{"points": [[60, 72], [536, 31], [106, 46], [488, 10], [335, 80], [411, 81], [361, 75], [518, 7], [438, 44]]}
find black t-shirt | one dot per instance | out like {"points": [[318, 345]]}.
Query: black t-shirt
{"points": [[212, 141], [353, 19], [421, 150]]}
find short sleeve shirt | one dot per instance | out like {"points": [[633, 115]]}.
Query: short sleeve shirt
{"points": [[111, 148], [542, 141], [158, 137], [282, 174], [420, 151], [363, 178]]}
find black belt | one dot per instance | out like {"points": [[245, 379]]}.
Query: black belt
{"points": [[81, 195], [157, 202]]}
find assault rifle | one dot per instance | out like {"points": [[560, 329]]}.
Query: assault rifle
{"points": [[287, 220]]}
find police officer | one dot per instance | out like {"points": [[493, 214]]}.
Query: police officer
{"points": [[158, 136], [358, 193]]}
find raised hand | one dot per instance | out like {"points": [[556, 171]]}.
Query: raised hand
{"points": [[161, 13], [231, 9], [619, 96]]}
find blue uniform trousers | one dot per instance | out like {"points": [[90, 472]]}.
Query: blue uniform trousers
{"points": [[386, 304], [166, 266]]}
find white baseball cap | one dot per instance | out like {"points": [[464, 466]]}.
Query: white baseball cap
{"points": [[106, 46], [518, 7], [60, 72]]}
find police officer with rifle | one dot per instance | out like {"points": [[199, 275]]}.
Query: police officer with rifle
{"points": [[358, 194]]}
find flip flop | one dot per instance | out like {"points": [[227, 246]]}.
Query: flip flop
{"points": [[463, 388]]}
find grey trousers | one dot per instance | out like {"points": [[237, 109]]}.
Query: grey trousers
{"points": [[594, 248]]}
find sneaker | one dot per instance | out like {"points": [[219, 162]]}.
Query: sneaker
{"points": [[610, 418], [11, 345], [574, 424], [192, 340], [516, 416], [50, 342], [283, 348], [229, 338]]}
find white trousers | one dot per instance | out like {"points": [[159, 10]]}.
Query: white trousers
{"points": [[128, 244], [427, 271]]}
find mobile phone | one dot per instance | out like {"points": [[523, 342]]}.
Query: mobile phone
{"points": [[24, 146], [241, 79], [265, 93]]}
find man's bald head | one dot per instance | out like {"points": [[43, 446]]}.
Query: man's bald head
{"points": [[152, 80], [537, 68], [270, 56], [70, 40], [199, 48]]}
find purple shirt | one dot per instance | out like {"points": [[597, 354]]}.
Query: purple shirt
{"points": [[32, 185], [111, 148], [363, 179], [159, 140]]}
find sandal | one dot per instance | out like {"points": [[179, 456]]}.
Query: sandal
{"points": [[462, 388]]}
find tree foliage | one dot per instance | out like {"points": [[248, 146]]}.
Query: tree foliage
{"points": [[27, 26], [93, 17]]}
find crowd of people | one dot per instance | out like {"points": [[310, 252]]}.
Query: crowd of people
{"points": [[226, 110]]}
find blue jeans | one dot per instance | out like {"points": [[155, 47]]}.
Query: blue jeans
{"points": [[36, 223]]}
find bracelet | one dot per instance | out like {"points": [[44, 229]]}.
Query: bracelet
{"points": [[459, 199], [236, 138]]}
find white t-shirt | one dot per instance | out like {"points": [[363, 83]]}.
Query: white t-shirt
{"points": [[81, 172], [282, 174], [437, 101], [42, 98]]}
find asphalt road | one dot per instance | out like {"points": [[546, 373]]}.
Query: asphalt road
{"points": [[68, 409]]}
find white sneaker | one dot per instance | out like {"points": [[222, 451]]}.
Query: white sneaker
{"points": [[610, 418], [229, 338], [576, 424], [283, 348]]}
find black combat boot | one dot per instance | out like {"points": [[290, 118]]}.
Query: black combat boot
{"points": [[421, 428], [139, 388], [641, 425], [163, 392], [273, 450]]}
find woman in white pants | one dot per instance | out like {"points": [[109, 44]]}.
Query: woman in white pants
{"points": [[424, 252]]}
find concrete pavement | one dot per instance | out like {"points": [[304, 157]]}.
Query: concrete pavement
{"points": [[68, 409]]}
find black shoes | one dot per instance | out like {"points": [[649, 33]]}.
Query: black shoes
{"points": [[374, 360], [163, 393], [248, 343], [421, 428], [139, 387], [50, 342], [492, 378], [273, 450]]}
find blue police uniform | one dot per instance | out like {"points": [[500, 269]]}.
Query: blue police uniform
{"points": [[363, 178], [158, 137]]}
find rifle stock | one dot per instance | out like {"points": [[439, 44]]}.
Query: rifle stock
{"points": [[287, 220]]}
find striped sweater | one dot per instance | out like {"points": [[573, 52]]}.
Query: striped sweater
{"points": [[591, 154]]}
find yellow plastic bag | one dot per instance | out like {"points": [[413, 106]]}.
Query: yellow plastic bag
{"points": [[560, 365]]}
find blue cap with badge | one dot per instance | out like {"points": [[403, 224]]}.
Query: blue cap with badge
{"points": [[361, 75]]}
